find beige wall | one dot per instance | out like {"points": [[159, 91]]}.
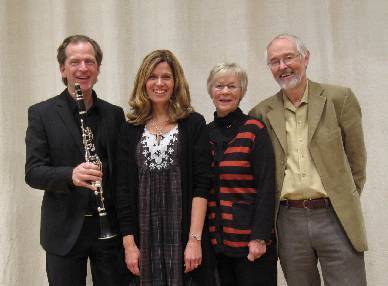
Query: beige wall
{"points": [[348, 40]]}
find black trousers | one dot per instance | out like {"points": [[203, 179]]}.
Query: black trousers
{"points": [[239, 271], [106, 260]]}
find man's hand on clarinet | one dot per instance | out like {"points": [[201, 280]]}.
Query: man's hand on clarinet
{"points": [[86, 173]]}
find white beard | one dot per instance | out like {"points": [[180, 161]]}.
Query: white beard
{"points": [[289, 84]]}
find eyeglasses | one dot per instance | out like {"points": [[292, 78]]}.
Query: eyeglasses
{"points": [[287, 60], [231, 87]]}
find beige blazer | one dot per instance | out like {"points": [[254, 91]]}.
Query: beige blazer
{"points": [[336, 144]]}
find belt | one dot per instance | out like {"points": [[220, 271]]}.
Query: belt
{"points": [[322, 203]]}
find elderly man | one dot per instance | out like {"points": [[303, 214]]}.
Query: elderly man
{"points": [[317, 136], [55, 163]]}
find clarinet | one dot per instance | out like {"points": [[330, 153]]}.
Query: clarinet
{"points": [[91, 156]]}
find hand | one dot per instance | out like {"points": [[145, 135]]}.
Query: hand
{"points": [[256, 250], [86, 173], [132, 254], [192, 255]]}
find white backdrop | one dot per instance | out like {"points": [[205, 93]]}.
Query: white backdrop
{"points": [[348, 41]]}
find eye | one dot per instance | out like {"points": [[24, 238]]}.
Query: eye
{"points": [[74, 62], [152, 77], [166, 77], [90, 62], [289, 57]]}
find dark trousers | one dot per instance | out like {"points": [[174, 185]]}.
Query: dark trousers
{"points": [[242, 272], [106, 260]]}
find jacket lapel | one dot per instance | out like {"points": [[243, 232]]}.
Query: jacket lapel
{"points": [[65, 114], [316, 103], [276, 119]]}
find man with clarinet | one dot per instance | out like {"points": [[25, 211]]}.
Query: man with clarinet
{"points": [[70, 154]]}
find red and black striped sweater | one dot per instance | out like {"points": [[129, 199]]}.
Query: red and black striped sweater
{"points": [[241, 204]]}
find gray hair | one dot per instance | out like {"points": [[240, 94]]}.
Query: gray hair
{"points": [[228, 68], [300, 46]]}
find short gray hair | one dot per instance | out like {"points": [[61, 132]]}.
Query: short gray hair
{"points": [[300, 46], [228, 68]]}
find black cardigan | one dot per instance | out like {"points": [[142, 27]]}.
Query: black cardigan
{"points": [[222, 132], [194, 161]]}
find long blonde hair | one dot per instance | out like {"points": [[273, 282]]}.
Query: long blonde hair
{"points": [[140, 103]]}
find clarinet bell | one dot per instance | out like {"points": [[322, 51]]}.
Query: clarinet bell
{"points": [[105, 230]]}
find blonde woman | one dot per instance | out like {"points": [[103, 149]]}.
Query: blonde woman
{"points": [[163, 179]]}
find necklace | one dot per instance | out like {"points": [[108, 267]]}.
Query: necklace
{"points": [[159, 128]]}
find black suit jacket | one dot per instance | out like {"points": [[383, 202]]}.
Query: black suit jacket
{"points": [[53, 148]]}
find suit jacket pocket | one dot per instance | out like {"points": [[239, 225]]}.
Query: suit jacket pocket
{"points": [[242, 214]]}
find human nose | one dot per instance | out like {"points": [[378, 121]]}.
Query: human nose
{"points": [[82, 65], [159, 81], [282, 64]]}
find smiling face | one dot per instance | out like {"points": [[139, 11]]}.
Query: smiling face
{"points": [[80, 66], [160, 84], [226, 93], [292, 74]]}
